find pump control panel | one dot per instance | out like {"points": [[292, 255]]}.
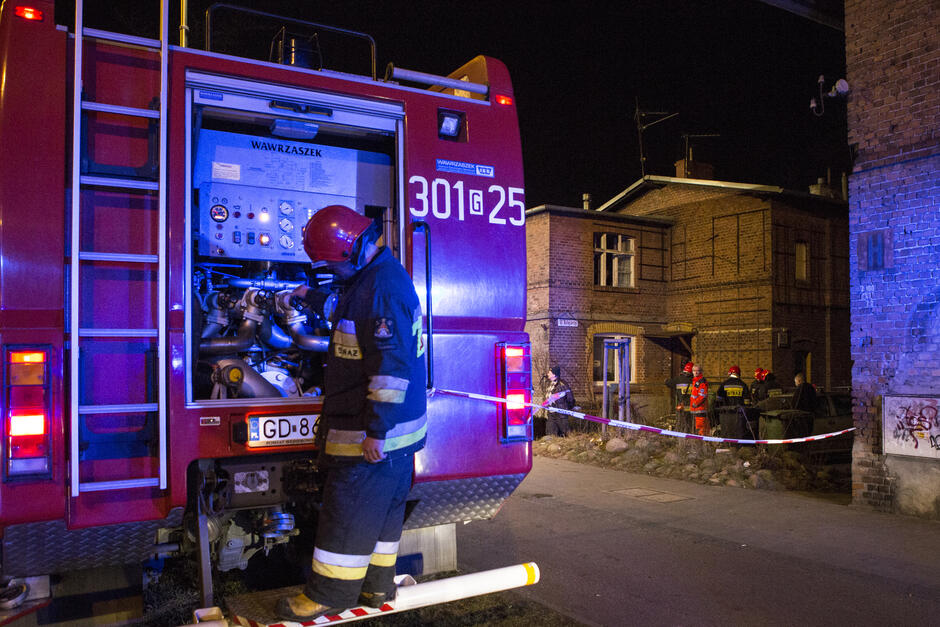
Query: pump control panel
{"points": [[255, 194], [243, 222]]}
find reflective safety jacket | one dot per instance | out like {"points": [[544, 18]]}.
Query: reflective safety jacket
{"points": [[733, 392], [375, 381], [698, 403], [681, 388]]}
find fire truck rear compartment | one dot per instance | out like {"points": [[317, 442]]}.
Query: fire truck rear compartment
{"points": [[257, 179]]}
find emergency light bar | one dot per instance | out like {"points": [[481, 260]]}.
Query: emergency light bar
{"points": [[26, 427]]}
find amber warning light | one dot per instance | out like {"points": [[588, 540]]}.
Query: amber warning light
{"points": [[30, 357], [503, 100], [28, 13]]}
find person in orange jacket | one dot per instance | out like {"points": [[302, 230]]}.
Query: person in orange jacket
{"points": [[699, 401]]}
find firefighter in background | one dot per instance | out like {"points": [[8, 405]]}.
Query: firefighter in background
{"points": [[771, 386], [698, 401], [730, 399], [560, 396], [680, 386], [758, 391], [373, 419], [733, 392]]}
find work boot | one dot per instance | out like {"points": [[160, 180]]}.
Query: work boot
{"points": [[300, 608], [376, 599]]}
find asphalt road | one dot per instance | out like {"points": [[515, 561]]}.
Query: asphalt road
{"points": [[617, 548]]}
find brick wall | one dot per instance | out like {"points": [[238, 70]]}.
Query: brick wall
{"points": [[561, 286], [893, 62], [722, 267]]}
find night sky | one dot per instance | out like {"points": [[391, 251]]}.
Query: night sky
{"points": [[739, 68]]}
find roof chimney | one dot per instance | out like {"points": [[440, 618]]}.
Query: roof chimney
{"points": [[586, 202], [688, 169]]}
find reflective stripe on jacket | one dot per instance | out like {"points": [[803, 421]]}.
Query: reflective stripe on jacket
{"points": [[699, 400], [375, 372]]}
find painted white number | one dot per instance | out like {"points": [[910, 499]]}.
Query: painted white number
{"points": [[458, 187], [421, 195], [517, 203], [444, 213], [436, 198], [499, 205]]}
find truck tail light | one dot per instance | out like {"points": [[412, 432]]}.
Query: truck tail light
{"points": [[514, 371], [28, 436], [28, 13]]}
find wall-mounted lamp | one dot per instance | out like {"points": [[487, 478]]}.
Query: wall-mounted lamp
{"points": [[839, 88]]}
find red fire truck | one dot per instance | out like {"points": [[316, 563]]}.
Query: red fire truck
{"points": [[159, 384]]}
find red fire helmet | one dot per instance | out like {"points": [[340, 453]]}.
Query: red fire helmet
{"points": [[687, 367], [734, 370], [331, 233], [759, 374]]}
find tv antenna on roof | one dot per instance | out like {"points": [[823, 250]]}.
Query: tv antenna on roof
{"points": [[641, 125]]}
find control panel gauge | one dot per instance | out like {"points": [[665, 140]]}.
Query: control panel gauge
{"points": [[219, 213], [287, 209], [286, 225], [286, 241]]}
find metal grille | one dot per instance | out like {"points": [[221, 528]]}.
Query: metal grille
{"points": [[49, 547], [476, 498]]}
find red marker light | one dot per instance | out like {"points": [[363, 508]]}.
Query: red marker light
{"points": [[514, 352], [503, 100], [28, 13], [27, 424], [515, 401]]}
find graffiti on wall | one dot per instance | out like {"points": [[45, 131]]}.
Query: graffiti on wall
{"points": [[912, 426]]}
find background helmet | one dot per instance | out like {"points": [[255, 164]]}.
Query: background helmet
{"points": [[331, 234], [687, 367], [734, 370], [759, 374]]}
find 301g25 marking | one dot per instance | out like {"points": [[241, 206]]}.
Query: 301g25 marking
{"points": [[437, 196]]}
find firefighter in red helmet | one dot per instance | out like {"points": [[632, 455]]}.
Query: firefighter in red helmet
{"points": [[758, 392], [680, 386], [733, 392], [374, 417]]}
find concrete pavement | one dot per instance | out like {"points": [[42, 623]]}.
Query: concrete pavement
{"points": [[616, 548]]}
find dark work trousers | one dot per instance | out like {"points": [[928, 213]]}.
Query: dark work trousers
{"points": [[684, 421], [557, 424], [358, 531]]}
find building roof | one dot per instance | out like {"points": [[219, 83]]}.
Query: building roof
{"points": [[651, 182], [575, 212]]}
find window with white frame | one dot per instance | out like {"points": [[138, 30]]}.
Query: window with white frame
{"points": [[613, 362], [613, 260]]}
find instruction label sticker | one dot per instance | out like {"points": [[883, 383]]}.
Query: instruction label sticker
{"points": [[226, 171], [462, 167]]}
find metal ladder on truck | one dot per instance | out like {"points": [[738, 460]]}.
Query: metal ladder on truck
{"points": [[129, 424]]}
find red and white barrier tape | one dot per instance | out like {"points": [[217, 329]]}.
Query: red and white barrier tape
{"points": [[647, 428]]}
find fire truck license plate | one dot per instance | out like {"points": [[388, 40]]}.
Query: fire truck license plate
{"points": [[281, 430]]}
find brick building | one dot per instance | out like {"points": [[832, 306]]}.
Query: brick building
{"points": [[893, 67], [724, 273]]}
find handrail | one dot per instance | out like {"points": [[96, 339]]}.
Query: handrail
{"points": [[274, 16], [397, 73], [415, 226]]}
